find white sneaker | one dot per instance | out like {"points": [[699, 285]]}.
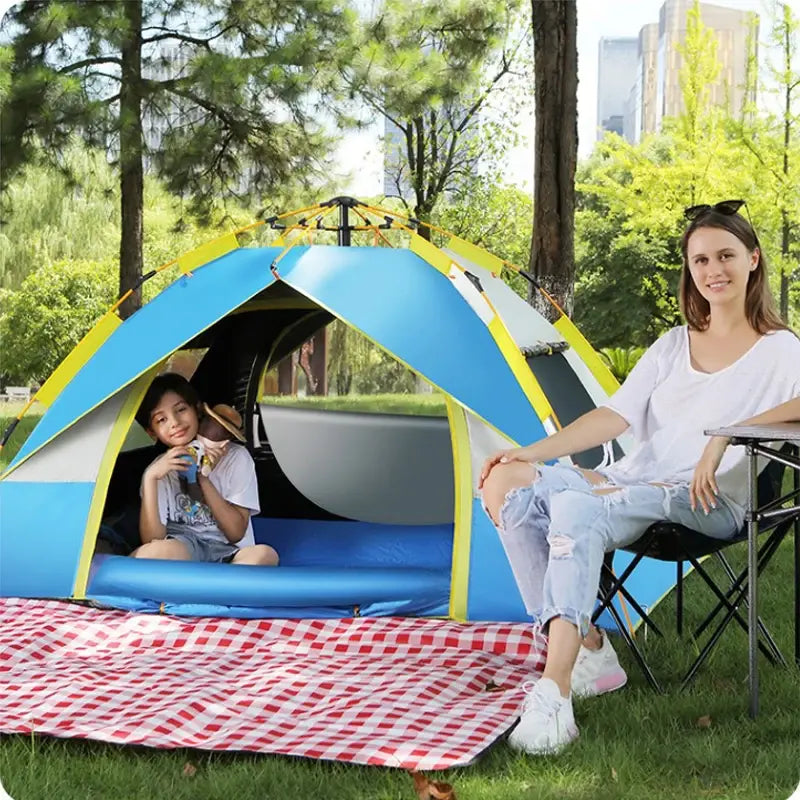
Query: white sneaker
{"points": [[597, 671], [547, 722]]}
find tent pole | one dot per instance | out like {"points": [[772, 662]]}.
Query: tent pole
{"points": [[344, 224]]}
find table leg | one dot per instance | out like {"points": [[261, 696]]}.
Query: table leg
{"points": [[796, 501], [752, 576]]}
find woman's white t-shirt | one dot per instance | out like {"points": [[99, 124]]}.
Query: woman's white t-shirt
{"points": [[669, 404]]}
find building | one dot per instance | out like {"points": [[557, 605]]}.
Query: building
{"points": [[640, 108], [732, 29], [654, 90], [616, 63]]}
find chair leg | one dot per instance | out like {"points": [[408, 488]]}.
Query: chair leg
{"points": [[634, 648], [610, 585], [733, 613], [738, 589]]}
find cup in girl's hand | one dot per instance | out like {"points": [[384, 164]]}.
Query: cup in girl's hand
{"points": [[191, 470]]}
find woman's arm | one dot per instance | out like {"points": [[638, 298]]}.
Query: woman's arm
{"points": [[703, 488], [785, 412], [232, 519], [590, 430]]}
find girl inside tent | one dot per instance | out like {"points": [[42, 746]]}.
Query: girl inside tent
{"points": [[733, 361], [173, 523]]}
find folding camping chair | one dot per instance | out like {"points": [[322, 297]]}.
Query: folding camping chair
{"points": [[668, 541]]}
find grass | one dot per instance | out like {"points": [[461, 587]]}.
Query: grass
{"points": [[633, 744], [8, 411], [417, 404]]}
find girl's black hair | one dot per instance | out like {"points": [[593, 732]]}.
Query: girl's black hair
{"points": [[168, 382]]}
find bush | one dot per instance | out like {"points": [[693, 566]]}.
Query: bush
{"points": [[55, 306], [621, 360]]}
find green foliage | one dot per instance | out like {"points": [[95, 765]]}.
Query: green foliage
{"points": [[72, 212], [357, 366], [53, 309], [427, 405], [621, 360], [771, 145], [238, 99], [53, 214], [233, 85], [495, 217]]}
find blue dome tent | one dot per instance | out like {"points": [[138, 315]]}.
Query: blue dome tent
{"points": [[372, 514]]}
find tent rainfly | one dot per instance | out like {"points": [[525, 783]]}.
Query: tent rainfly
{"points": [[371, 513]]}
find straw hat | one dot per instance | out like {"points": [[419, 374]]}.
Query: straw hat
{"points": [[228, 417]]}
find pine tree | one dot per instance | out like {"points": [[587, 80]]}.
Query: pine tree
{"points": [[240, 93]]}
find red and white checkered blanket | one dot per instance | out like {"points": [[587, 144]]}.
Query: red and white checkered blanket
{"points": [[413, 693]]}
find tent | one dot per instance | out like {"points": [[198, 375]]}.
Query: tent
{"points": [[371, 514]]}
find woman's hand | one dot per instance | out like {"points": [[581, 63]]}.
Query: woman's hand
{"points": [[174, 459], [703, 489], [502, 457]]}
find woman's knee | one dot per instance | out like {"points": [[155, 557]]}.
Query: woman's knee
{"points": [[261, 555], [502, 479], [162, 548]]}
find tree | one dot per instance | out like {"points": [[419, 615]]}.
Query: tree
{"points": [[555, 53], [72, 213], [429, 69], [240, 95], [774, 147], [54, 308], [628, 236], [495, 217]]}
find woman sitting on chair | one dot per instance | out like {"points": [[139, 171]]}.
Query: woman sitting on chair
{"points": [[734, 361]]}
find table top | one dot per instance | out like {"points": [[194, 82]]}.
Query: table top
{"points": [[777, 431]]}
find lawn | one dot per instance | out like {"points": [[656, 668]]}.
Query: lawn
{"points": [[418, 404], [633, 744]]}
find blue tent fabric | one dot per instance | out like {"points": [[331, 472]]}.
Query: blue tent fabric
{"points": [[48, 521], [189, 305], [438, 333], [397, 300]]}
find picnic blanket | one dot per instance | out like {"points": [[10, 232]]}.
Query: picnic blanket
{"points": [[414, 693]]}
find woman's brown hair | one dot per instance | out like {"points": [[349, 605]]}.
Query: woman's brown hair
{"points": [[759, 305]]}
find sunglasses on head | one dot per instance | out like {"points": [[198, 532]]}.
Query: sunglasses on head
{"points": [[723, 207], [727, 207]]}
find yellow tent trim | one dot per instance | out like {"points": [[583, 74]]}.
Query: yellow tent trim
{"points": [[588, 354], [77, 358], [208, 252], [430, 253], [508, 347], [115, 441], [462, 473], [483, 258], [497, 328]]}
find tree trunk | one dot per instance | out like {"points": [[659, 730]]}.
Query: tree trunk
{"points": [[424, 215], [556, 152], [130, 159]]}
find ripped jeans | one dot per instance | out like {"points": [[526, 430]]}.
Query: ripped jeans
{"points": [[556, 531]]}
